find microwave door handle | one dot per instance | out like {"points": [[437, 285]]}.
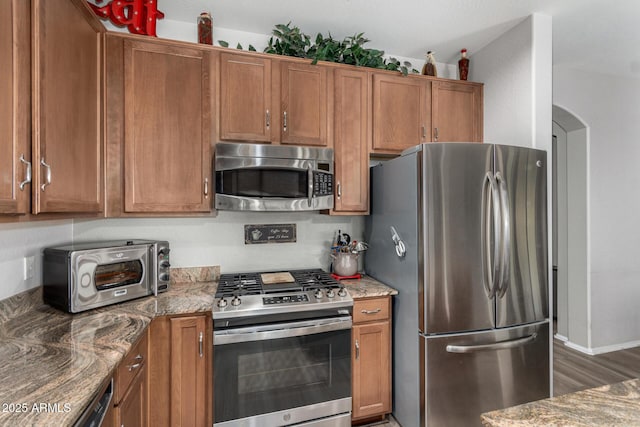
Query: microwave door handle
{"points": [[310, 184]]}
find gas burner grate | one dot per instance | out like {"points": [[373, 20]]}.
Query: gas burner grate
{"points": [[315, 279], [239, 284]]}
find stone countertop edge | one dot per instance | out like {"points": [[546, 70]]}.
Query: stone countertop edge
{"points": [[54, 362], [610, 405], [60, 359], [367, 287]]}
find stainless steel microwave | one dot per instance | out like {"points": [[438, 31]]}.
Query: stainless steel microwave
{"points": [[256, 177], [82, 276]]}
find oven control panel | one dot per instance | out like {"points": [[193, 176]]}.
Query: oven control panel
{"points": [[285, 299]]}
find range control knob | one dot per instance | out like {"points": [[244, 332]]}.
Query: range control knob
{"points": [[318, 293], [236, 301], [342, 292], [222, 303], [331, 293]]}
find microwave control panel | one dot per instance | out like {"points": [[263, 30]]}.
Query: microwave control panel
{"points": [[322, 184]]}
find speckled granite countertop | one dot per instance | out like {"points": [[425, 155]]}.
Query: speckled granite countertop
{"points": [[367, 287], [610, 405], [52, 357]]}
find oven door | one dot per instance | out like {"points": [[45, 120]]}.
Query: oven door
{"points": [[282, 374]]}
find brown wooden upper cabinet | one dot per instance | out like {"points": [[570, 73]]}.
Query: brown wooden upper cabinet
{"points": [[457, 112], [273, 100], [159, 97], [245, 98], [15, 107], [401, 113], [351, 141], [67, 42], [304, 104]]}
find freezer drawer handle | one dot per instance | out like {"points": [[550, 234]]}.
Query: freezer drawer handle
{"points": [[502, 345]]}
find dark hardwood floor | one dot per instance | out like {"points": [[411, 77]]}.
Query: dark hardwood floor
{"points": [[574, 371]]}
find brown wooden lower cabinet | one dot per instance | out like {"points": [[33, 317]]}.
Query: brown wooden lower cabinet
{"points": [[180, 371], [131, 394], [371, 358]]}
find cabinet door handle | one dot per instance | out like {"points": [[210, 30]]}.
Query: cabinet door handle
{"points": [[357, 350], [201, 345], [206, 187], [27, 177], [134, 366], [284, 121], [339, 190], [435, 134], [424, 132], [268, 119], [48, 174], [376, 311]]}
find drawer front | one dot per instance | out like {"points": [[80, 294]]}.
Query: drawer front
{"points": [[370, 309], [131, 365]]}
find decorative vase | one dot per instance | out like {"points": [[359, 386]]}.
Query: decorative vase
{"points": [[463, 65], [205, 28], [429, 68]]}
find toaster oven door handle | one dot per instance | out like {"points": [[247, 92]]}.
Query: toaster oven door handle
{"points": [[280, 330], [310, 185]]}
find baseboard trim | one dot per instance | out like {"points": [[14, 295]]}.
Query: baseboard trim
{"points": [[561, 338], [604, 349]]}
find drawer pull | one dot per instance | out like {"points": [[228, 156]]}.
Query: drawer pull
{"points": [[376, 311], [138, 357], [134, 366]]}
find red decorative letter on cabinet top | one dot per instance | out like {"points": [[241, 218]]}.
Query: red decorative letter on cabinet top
{"points": [[138, 15]]}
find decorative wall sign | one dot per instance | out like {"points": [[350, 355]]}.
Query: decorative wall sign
{"points": [[269, 233], [138, 15]]}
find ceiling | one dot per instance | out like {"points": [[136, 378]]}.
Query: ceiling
{"points": [[602, 35]]}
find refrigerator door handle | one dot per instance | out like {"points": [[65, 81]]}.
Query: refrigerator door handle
{"points": [[503, 281], [491, 220], [501, 345]]}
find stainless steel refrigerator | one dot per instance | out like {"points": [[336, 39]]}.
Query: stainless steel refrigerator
{"points": [[461, 231]]}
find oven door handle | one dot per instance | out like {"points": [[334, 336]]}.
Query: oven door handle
{"points": [[281, 330]]}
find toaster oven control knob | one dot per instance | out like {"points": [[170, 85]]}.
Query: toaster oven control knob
{"points": [[318, 293], [164, 277], [236, 301], [342, 292], [165, 264], [331, 293], [222, 303], [163, 250]]}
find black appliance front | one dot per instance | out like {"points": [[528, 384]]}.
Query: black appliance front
{"points": [[259, 377]]}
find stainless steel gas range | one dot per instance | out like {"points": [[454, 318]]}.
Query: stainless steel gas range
{"points": [[282, 350]]}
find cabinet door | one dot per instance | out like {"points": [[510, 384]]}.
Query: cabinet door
{"points": [[188, 371], [167, 130], [245, 98], [132, 410], [304, 104], [15, 106], [371, 369], [351, 137], [401, 114], [457, 112], [67, 107]]}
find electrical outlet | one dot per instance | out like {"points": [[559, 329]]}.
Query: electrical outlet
{"points": [[29, 267]]}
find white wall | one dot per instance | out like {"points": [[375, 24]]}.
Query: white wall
{"points": [[561, 227], [220, 241], [23, 240], [516, 70], [610, 106]]}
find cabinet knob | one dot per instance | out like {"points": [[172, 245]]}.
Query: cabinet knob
{"points": [[27, 177]]}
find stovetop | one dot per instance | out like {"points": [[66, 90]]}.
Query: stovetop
{"points": [[246, 294]]}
